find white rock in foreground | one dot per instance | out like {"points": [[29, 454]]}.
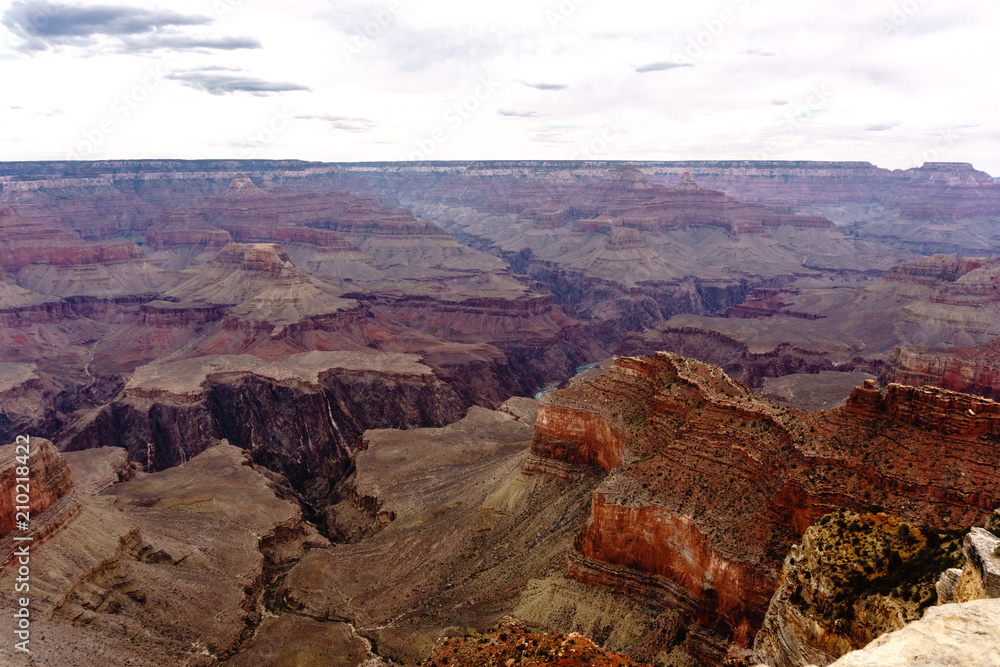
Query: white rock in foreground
{"points": [[959, 635]]}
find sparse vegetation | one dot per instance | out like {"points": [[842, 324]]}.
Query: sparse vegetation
{"points": [[868, 555]]}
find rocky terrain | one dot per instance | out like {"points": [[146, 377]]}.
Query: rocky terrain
{"points": [[938, 300], [968, 369], [937, 208], [853, 578], [337, 346], [708, 486], [168, 568], [625, 240], [511, 642], [951, 634], [827, 605], [81, 316]]}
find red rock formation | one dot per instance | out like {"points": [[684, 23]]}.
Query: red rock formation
{"points": [[974, 370], [709, 485], [177, 227], [23, 242], [48, 483], [934, 270]]}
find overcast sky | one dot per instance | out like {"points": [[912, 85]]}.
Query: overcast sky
{"points": [[894, 82]]}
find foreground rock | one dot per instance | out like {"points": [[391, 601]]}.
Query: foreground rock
{"points": [[980, 578], [511, 644], [853, 578], [951, 635], [709, 486]]}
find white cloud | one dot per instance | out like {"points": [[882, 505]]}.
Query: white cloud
{"points": [[371, 80]]}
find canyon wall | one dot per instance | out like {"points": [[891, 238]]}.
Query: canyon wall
{"points": [[713, 485]]}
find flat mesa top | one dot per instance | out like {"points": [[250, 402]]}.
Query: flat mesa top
{"points": [[187, 376]]}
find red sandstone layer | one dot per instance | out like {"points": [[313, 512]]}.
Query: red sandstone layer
{"points": [[709, 485]]}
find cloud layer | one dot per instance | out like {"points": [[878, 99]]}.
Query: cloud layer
{"points": [[42, 25], [225, 82], [881, 80]]}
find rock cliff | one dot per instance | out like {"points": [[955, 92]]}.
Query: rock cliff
{"points": [[968, 369], [952, 634], [709, 486], [300, 416], [49, 491]]}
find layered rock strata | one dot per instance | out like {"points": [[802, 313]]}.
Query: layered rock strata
{"points": [[301, 415], [968, 369], [709, 485], [168, 568], [952, 634], [43, 480]]}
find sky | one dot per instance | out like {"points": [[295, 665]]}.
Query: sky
{"points": [[893, 82]]}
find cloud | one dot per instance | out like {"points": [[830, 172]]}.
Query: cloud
{"points": [[42, 25], [186, 42], [219, 82], [546, 86], [515, 113], [414, 49], [881, 128], [660, 67], [345, 123]]}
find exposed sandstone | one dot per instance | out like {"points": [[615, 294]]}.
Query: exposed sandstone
{"points": [[510, 643], [24, 242], [709, 485], [969, 369], [949, 635], [300, 416], [980, 577], [49, 482]]}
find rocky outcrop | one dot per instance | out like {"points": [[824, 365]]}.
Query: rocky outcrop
{"points": [[853, 578], [980, 578], [953, 634], [709, 485], [41, 478], [301, 416], [750, 365], [510, 643], [28, 399], [973, 370], [24, 242]]}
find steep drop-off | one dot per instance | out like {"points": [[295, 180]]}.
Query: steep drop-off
{"points": [[709, 486]]}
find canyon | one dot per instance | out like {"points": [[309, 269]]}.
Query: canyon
{"points": [[355, 347]]}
